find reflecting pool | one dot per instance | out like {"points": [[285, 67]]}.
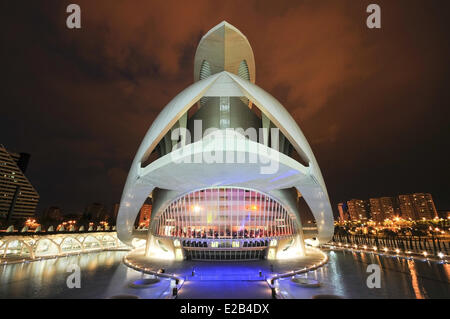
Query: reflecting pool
{"points": [[346, 275], [103, 275]]}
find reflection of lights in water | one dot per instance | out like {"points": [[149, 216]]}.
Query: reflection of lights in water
{"points": [[61, 264], [335, 272], [38, 271], [363, 257], [345, 277], [414, 279], [93, 263], [321, 272], [109, 259], [101, 258], [47, 278], [83, 261], [447, 269], [49, 268]]}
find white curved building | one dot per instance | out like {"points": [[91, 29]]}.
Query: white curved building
{"points": [[224, 164]]}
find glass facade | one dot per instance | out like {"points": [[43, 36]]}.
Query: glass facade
{"points": [[225, 213]]}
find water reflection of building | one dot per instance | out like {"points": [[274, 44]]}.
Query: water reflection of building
{"points": [[18, 197]]}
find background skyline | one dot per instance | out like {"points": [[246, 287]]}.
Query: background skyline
{"points": [[373, 104]]}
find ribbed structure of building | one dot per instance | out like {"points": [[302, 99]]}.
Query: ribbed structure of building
{"points": [[18, 197]]}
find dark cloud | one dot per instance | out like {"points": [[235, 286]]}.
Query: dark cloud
{"points": [[373, 103]]}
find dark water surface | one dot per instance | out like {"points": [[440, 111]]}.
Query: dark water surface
{"points": [[103, 275], [346, 275]]}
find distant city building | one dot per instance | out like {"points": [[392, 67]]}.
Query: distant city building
{"points": [[388, 206], [381, 208], [21, 160], [115, 212], [74, 217], [52, 215], [375, 210], [444, 214], [417, 206], [406, 207], [18, 197], [95, 212], [343, 216], [358, 209], [414, 206]]}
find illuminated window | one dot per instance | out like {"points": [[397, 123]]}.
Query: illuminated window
{"points": [[225, 213], [215, 244]]}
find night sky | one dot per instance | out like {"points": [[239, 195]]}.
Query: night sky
{"points": [[374, 104]]}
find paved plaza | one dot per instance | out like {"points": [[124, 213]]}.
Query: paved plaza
{"points": [[215, 279]]}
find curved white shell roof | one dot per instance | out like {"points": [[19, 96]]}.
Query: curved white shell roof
{"points": [[141, 181]]}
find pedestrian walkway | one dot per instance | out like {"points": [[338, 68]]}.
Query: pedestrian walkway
{"points": [[224, 279], [249, 271]]}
